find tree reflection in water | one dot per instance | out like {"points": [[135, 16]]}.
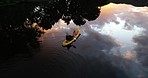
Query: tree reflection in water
{"points": [[17, 29]]}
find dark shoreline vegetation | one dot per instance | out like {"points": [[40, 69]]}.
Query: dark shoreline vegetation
{"points": [[138, 3], [23, 22]]}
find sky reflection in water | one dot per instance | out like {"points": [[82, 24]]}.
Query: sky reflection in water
{"points": [[120, 30], [112, 22]]}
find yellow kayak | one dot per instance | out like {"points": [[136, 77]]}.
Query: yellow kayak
{"points": [[66, 42]]}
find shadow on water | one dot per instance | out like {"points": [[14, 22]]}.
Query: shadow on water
{"points": [[15, 41], [17, 44], [69, 46]]}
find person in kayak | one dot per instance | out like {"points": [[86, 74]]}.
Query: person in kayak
{"points": [[70, 37]]}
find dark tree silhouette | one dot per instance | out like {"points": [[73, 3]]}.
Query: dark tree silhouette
{"points": [[49, 12], [17, 18], [139, 3]]}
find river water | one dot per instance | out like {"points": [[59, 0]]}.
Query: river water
{"points": [[112, 46]]}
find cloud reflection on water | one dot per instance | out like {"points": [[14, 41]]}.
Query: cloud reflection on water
{"points": [[120, 30]]}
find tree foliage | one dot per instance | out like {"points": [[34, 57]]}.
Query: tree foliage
{"points": [[17, 34]]}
